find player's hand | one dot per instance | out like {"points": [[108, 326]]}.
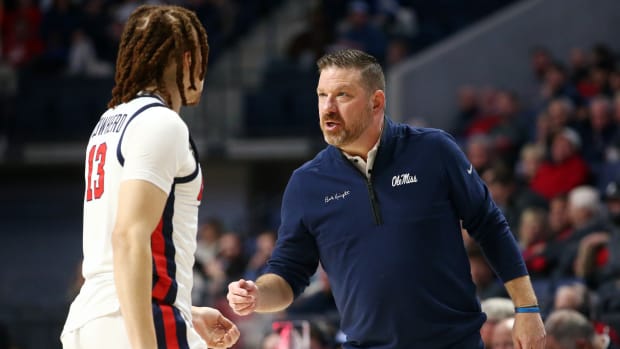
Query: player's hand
{"points": [[216, 330], [242, 296], [528, 331]]}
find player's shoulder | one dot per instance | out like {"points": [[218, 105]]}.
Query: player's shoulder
{"points": [[160, 120]]}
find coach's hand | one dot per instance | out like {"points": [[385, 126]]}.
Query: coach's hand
{"points": [[242, 296], [217, 331], [528, 331]]}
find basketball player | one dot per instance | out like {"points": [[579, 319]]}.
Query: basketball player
{"points": [[143, 188]]}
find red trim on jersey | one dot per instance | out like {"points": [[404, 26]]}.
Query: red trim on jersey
{"points": [[170, 327], [202, 187], [158, 248]]}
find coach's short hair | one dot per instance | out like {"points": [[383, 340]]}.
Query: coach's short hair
{"points": [[370, 69]]}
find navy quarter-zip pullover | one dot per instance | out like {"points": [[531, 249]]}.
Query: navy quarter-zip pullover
{"points": [[392, 245]]}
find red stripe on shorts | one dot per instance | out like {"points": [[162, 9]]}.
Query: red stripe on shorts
{"points": [[170, 327]]}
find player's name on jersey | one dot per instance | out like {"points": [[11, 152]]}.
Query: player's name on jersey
{"points": [[107, 124]]}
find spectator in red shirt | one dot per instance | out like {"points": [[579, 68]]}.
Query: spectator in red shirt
{"points": [[565, 170]]}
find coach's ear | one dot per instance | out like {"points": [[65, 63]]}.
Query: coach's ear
{"points": [[378, 101]]}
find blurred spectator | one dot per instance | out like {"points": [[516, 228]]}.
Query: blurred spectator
{"points": [[533, 238], [497, 309], [578, 65], [584, 207], [467, 109], [502, 335], [207, 246], [97, 25], [565, 170], [593, 257], [577, 297], [265, 242], [543, 255], [359, 32], [561, 115], [598, 132], [558, 217], [398, 50], [231, 255], [508, 196], [532, 156], [57, 28], [612, 155], [508, 134], [614, 82], [123, 9], [573, 296], [488, 116], [228, 265], [612, 202], [540, 61], [479, 151], [585, 216], [21, 40], [556, 84], [83, 59], [308, 45], [396, 20], [596, 83], [603, 57], [569, 329]]}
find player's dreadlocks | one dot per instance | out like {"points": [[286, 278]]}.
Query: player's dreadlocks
{"points": [[153, 36]]}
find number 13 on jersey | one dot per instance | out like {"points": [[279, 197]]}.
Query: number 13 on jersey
{"points": [[95, 181]]}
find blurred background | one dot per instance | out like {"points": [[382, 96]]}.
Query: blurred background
{"points": [[529, 88]]}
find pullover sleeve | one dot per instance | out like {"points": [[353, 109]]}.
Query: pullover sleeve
{"points": [[295, 257], [479, 214]]}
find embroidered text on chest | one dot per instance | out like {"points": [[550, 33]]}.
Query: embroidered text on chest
{"points": [[403, 179], [337, 196]]}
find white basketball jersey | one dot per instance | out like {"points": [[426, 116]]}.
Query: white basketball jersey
{"points": [[142, 139]]}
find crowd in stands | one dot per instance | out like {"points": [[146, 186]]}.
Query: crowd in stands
{"points": [[391, 30], [81, 37], [551, 164], [52, 49], [72, 45]]}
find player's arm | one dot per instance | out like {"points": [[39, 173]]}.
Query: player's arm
{"points": [[270, 293], [140, 207]]}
